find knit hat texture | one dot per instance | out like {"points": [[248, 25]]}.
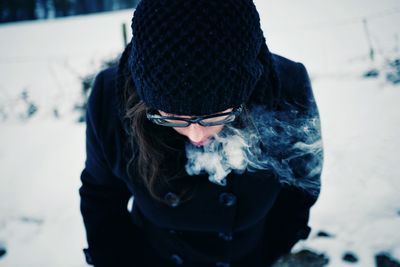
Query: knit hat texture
{"points": [[195, 57]]}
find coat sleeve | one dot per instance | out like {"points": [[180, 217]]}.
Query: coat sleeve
{"points": [[288, 219], [103, 196]]}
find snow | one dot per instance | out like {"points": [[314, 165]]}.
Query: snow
{"points": [[359, 202], [41, 158]]}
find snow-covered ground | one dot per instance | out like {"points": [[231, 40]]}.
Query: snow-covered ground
{"points": [[41, 158]]}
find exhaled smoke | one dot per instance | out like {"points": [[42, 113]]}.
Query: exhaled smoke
{"points": [[287, 143]]}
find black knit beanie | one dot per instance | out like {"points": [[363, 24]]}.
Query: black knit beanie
{"points": [[195, 57]]}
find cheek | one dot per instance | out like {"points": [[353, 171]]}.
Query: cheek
{"points": [[182, 131], [214, 130]]}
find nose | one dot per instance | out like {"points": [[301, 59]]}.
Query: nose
{"points": [[197, 133]]}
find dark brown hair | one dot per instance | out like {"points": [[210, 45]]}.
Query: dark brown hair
{"points": [[151, 146]]}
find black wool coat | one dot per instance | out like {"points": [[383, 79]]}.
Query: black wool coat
{"points": [[250, 222]]}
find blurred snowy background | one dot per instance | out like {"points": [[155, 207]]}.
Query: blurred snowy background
{"points": [[351, 49]]}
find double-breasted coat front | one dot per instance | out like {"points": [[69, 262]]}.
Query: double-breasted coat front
{"points": [[251, 221]]}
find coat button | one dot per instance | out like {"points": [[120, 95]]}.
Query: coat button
{"points": [[227, 199], [175, 258], [225, 236], [172, 199], [222, 264]]}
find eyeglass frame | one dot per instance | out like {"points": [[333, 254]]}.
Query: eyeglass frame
{"points": [[152, 116]]}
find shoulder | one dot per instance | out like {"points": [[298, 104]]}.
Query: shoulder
{"points": [[294, 82], [103, 100], [105, 82], [289, 70], [103, 111]]}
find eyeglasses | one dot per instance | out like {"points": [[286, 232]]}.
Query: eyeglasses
{"points": [[208, 120]]}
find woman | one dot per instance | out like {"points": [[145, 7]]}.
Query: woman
{"points": [[216, 139]]}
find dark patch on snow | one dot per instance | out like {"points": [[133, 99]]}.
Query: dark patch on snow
{"points": [[3, 252], [350, 257], [393, 74], [371, 73], [324, 234], [390, 69], [303, 258], [384, 259], [31, 220]]}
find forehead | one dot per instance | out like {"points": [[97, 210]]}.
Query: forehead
{"points": [[185, 116]]}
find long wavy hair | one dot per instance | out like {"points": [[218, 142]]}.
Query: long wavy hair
{"points": [[149, 143]]}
